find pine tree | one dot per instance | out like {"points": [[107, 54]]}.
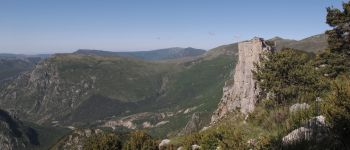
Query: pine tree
{"points": [[336, 59], [288, 75], [339, 36]]}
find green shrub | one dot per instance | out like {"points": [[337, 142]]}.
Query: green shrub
{"points": [[139, 140], [103, 141], [337, 109], [190, 140]]}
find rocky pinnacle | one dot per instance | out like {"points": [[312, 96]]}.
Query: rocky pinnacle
{"points": [[242, 94]]}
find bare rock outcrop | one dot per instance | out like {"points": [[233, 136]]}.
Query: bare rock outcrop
{"points": [[315, 127], [242, 95], [164, 143], [296, 135], [298, 107]]}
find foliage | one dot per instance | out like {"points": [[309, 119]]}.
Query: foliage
{"points": [[223, 136], [339, 36], [286, 74], [103, 141], [331, 64], [233, 138], [191, 140], [336, 59], [336, 64], [337, 109], [136, 140], [139, 140]]}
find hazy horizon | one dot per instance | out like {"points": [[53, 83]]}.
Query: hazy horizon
{"points": [[46, 27]]}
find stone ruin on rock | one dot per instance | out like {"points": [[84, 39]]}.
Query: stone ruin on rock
{"points": [[243, 93]]}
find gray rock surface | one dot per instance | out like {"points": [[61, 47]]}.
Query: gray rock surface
{"points": [[196, 147], [164, 143], [315, 127], [297, 107], [242, 95], [296, 135]]}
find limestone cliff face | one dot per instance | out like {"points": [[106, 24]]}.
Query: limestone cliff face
{"points": [[242, 94]]}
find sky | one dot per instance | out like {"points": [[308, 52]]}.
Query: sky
{"points": [[55, 26]]}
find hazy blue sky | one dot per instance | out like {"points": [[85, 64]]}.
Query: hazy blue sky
{"points": [[48, 26]]}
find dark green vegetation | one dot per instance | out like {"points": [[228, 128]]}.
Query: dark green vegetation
{"points": [[103, 141], [288, 74], [335, 59], [141, 141], [161, 54], [338, 102], [337, 111], [96, 139]]}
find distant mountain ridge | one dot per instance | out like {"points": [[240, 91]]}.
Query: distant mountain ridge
{"points": [[312, 44], [160, 54], [23, 56]]}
